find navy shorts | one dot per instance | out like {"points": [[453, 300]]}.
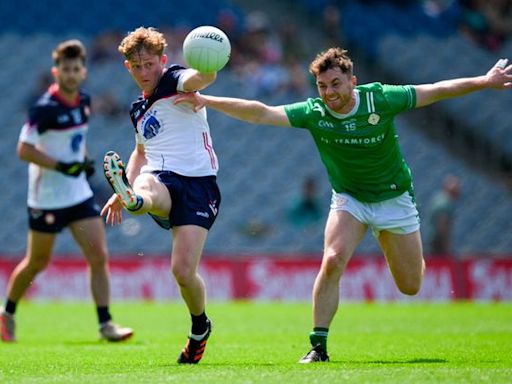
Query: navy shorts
{"points": [[195, 200], [54, 220]]}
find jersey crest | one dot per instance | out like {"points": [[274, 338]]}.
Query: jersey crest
{"points": [[150, 126], [373, 119]]}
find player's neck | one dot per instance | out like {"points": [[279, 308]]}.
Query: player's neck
{"points": [[147, 94], [69, 97], [66, 96], [348, 107]]}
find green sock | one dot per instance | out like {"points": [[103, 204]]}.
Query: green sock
{"points": [[319, 336]]}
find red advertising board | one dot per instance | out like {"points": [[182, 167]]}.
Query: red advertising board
{"points": [[272, 278]]}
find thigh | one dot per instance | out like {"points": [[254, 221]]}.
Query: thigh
{"points": [[404, 254], [343, 233], [398, 215], [149, 185], [195, 200], [187, 245], [40, 246], [90, 236]]}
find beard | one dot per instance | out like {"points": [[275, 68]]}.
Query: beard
{"points": [[69, 87]]}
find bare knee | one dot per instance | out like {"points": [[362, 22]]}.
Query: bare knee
{"points": [[410, 285], [334, 262], [97, 260], [183, 274], [155, 195], [411, 288], [35, 266]]}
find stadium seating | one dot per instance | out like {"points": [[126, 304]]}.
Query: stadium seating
{"points": [[452, 57], [101, 16], [261, 168]]}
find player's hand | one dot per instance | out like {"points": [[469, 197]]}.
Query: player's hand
{"points": [[500, 75], [74, 168], [193, 98], [113, 210]]}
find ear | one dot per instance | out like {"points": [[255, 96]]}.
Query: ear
{"points": [[354, 80], [163, 59], [55, 71], [127, 65]]}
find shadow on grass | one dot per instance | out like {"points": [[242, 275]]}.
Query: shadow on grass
{"points": [[331, 363]]}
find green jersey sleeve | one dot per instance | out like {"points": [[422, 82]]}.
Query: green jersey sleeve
{"points": [[399, 97], [298, 113]]}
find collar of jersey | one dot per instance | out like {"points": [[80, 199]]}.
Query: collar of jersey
{"points": [[352, 112]]}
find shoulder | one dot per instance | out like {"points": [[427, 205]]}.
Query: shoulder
{"points": [[299, 114], [173, 73], [397, 97], [374, 90], [307, 105], [387, 89], [371, 87], [85, 98], [167, 86], [44, 101], [45, 105], [381, 88], [175, 67]]}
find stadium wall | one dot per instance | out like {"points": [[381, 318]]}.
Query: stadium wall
{"points": [[273, 278]]}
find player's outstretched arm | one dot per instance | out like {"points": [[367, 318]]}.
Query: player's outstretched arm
{"points": [[251, 111], [498, 77]]}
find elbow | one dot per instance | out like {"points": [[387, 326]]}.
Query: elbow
{"points": [[21, 151], [210, 77], [206, 80]]}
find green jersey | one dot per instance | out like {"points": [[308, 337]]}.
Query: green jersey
{"points": [[360, 149]]}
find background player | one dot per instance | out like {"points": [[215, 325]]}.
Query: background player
{"points": [[353, 128], [172, 169], [53, 142]]}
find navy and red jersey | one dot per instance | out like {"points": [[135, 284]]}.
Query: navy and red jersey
{"points": [[57, 128], [175, 138]]}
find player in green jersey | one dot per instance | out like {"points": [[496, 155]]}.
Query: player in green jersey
{"points": [[353, 128]]}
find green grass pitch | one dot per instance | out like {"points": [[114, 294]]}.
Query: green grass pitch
{"points": [[261, 343]]}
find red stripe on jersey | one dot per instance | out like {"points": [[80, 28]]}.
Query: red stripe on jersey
{"points": [[209, 148]]}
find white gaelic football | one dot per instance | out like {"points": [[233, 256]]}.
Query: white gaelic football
{"points": [[206, 49]]}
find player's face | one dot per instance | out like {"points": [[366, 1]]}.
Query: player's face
{"points": [[146, 69], [69, 75], [336, 89]]}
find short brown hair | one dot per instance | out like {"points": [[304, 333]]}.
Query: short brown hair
{"points": [[332, 58], [148, 39], [69, 49]]}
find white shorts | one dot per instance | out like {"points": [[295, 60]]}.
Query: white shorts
{"points": [[398, 215]]}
